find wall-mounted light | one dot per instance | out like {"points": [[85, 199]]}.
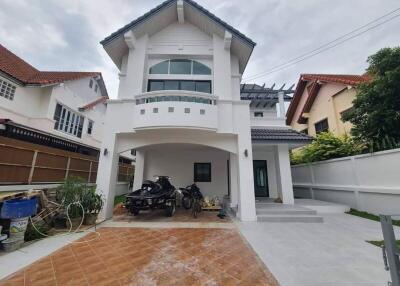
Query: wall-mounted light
{"points": [[105, 152], [246, 153]]}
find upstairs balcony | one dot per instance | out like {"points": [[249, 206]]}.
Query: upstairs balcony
{"points": [[176, 109]]}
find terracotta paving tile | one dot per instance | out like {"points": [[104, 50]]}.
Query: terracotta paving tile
{"points": [[139, 256]]}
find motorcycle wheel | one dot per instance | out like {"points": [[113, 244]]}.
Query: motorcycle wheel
{"points": [[186, 202], [170, 210], [135, 211]]}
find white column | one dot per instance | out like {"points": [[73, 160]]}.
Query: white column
{"points": [[139, 169], [107, 174], [233, 178], [221, 67], [281, 103], [247, 202], [284, 174]]}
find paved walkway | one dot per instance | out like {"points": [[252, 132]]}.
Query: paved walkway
{"points": [[320, 254]]}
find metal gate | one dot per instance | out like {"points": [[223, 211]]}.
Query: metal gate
{"points": [[391, 253]]}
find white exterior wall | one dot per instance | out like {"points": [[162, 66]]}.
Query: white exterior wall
{"points": [[179, 165], [369, 182], [226, 124], [35, 106]]}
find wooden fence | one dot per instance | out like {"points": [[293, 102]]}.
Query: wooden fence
{"points": [[26, 163]]}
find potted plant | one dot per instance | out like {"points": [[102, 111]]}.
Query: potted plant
{"points": [[92, 204], [69, 195]]}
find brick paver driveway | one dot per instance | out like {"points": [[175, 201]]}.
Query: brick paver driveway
{"points": [[145, 256]]}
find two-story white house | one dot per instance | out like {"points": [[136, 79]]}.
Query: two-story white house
{"points": [[66, 105], [182, 108]]}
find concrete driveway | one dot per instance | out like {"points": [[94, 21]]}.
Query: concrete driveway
{"points": [[329, 253]]}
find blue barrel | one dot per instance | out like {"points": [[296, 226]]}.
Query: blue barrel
{"points": [[18, 208]]}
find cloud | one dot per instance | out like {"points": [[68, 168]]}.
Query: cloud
{"points": [[65, 35]]}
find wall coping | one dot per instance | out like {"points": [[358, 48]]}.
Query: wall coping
{"points": [[380, 153]]}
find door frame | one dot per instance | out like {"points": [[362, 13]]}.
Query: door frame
{"points": [[266, 179]]}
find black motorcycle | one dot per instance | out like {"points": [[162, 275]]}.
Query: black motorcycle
{"points": [[153, 195], [192, 198]]}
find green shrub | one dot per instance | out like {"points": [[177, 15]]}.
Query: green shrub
{"points": [[326, 146]]}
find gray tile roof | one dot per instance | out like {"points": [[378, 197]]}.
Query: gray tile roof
{"points": [[168, 3], [279, 134]]}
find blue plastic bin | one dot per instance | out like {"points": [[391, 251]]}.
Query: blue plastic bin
{"points": [[18, 208]]}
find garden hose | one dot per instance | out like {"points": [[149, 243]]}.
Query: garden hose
{"points": [[70, 223]]}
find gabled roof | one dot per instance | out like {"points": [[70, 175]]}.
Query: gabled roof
{"points": [[22, 72], [318, 80], [165, 14], [146, 16]]}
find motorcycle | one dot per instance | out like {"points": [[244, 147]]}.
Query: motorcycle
{"points": [[159, 194], [192, 198]]}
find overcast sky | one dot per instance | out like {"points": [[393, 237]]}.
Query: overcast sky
{"points": [[65, 35]]}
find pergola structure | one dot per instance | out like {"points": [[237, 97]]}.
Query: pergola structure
{"points": [[262, 97]]}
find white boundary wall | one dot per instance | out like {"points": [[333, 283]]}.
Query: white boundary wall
{"points": [[369, 182]]}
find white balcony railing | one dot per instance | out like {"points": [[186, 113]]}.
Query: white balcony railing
{"points": [[176, 109]]}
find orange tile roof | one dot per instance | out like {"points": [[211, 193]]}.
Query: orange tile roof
{"points": [[349, 79], [17, 68], [345, 79], [94, 103]]}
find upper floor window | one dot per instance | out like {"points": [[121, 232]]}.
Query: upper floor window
{"points": [[90, 127], [191, 85], [7, 90], [180, 66], [68, 121], [321, 126], [258, 114]]}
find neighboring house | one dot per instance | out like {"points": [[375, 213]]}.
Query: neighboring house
{"points": [[69, 105], [320, 101], [181, 107]]}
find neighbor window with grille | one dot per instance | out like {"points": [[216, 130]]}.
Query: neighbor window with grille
{"points": [[7, 90], [68, 121], [202, 172], [321, 126]]}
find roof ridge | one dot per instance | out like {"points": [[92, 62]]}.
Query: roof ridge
{"points": [[165, 4]]}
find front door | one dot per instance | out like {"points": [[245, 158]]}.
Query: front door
{"points": [[260, 178]]}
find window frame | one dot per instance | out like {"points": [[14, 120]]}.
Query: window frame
{"points": [[68, 121], [319, 122], [180, 81], [89, 129], [7, 89], [258, 114], [192, 69], [202, 178]]}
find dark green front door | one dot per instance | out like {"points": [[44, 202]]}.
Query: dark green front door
{"points": [[260, 178]]}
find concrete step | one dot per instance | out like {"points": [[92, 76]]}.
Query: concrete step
{"points": [[275, 211], [290, 218]]}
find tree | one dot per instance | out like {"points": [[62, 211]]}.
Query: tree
{"points": [[376, 113]]}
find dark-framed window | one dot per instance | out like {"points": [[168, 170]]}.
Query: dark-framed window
{"points": [[321, 126], [191, 85], [202, 172], [258, 114], [304, 131], [90, 127], [345, 112]]}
